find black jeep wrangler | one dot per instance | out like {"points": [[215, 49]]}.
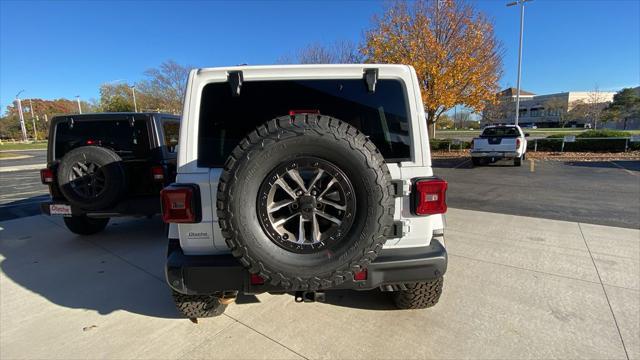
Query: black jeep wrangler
{"points": [[107, 165]]}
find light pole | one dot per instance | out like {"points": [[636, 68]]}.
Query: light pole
{"points": [[521, 3], [23, 129], [33, 121], [133, 91], [79, 107]]}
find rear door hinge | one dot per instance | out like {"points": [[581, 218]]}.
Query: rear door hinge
{"points": [[401, 188], [371, 78], [235, 79], [399, 229]]}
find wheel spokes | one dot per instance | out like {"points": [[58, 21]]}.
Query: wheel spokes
{"points": [[329, 217], [273, 207], [284, 186], [295, 175], [331, 203], [283, 220]]}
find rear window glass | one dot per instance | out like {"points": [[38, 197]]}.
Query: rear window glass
{"points": [[118, 135], [225, 119], [171, 130], [501, 132]]}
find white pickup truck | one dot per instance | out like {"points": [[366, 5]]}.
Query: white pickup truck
{"points": [[499, 142]]}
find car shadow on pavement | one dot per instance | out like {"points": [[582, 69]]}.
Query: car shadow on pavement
{"points": [[368, 300], [120, 269], [452, 163], [631, 165]]}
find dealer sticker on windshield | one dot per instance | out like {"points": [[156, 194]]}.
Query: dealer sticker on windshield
{"points": [[58, 209]]}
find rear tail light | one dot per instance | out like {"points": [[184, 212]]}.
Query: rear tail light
{"points": [[256, 279], [180, 204], [360, 275], [429, 196], [308, 111], [158, 173], [517, 144], [46, 176]]}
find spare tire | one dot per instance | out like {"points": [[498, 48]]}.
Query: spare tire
{"points": [[91, 177], [305, 201]]}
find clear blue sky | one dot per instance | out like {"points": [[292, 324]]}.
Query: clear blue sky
{"points": [[67, 48]]}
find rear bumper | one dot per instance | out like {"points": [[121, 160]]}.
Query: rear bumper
{"points": [[199, 275], [137, 206], [495, 154]]}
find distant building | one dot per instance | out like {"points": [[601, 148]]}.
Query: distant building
{"points": [[551, 110]]}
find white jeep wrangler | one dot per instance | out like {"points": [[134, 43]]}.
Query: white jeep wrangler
{"points": [[304, 179]]}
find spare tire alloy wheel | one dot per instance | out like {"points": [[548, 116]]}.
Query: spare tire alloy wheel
{"points": [[305, 202], [87, 180], [306, 205], [91, 177]]}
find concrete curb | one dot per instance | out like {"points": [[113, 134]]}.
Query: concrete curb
{"points": [[22, 167]]}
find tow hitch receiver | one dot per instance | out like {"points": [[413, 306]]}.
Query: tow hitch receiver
{"points": [[309, 296]]}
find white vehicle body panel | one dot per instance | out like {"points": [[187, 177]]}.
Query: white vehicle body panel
{"points": [[206, 238]]}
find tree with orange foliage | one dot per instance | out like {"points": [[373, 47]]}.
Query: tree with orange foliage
{"points": [[451, 46]]}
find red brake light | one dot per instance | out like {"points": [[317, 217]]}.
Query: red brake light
{"points": [[46, 176], [360, 275], [310, 111], [517, 143], [430, 197], [178, 205], [256, 279], [158, 173]]}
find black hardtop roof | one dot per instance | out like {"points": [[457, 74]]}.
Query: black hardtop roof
{"points": [[112, 115]]}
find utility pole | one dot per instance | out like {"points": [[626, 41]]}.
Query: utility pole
{"points": [[23, 129], [79, 107], [33, 121], [133, 91], [521, 3]]}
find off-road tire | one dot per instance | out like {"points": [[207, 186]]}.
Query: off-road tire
{"points": [[286, 139], [198, 306], [476, 161], [419, 295], [517, 161], [110, 165], [83, 225]]}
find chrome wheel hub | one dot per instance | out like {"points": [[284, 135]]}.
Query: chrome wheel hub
{"points": [[306, 205]]}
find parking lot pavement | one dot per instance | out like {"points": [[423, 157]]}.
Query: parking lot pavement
{"points": [[516, 287], [21, 193], [598, 192]]}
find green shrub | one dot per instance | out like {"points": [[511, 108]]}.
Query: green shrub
{"points": [[603, 133], [583, 145], [443, 144]]}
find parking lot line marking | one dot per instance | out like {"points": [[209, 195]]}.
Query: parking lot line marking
{"points": [[623, 168], [532, 165], [462, 163]]}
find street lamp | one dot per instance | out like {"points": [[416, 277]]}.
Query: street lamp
{"points": [[79, 106], [133, 91], [23, 129], [521, 3]]}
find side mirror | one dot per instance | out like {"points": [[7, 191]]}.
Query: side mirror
{"points": [[526, 134]]}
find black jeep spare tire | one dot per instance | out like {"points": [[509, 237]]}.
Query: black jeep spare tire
{"points": [[91, 177], [305, 201]]}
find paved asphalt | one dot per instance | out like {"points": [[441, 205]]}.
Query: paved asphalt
{"points": [[602, 192], [22, 191]]}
